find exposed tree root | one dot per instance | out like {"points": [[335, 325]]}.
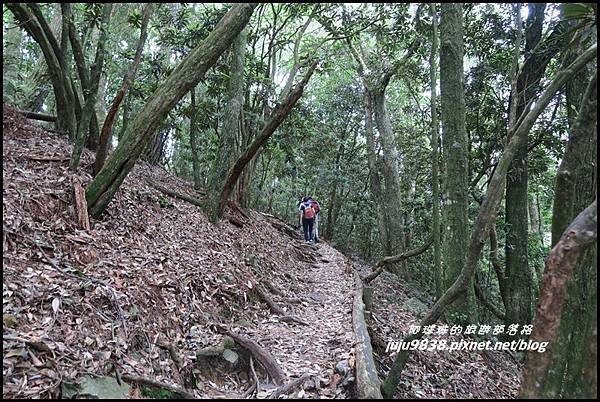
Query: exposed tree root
{"points": [[37, 116], [236, 222], [290, 386], [184, 197], [172, 352], [238, 209], [262, 355], [275, 290], [43, 158], [262, 293]]}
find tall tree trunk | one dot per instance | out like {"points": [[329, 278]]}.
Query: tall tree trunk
{"points": [[576, 185], [390, 172], [107, 127], [333, 194], [153, 151], [89, 81], [519, 277], [456, 183], [226, 154], [191, 69], [435, 158], [375, 180], [194, 140]]}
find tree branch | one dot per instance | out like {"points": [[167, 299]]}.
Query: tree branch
{"points": [[397, 258]]}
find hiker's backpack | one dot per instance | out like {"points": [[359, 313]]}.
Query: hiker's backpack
{"points": [[309, 212], [316, 207]]}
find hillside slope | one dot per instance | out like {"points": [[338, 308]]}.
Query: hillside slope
{"points": [[143, 289], [145, 292]]}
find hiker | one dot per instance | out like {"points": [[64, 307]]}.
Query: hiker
{"points": [[307, 219], [317, 209]]}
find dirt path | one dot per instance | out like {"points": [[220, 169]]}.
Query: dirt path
{"points": [[326, 288]]}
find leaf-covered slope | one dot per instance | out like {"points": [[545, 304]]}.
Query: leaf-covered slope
{"points": [[153, 274]]}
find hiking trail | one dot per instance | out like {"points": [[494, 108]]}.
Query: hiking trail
{"points": [[147, 292]]}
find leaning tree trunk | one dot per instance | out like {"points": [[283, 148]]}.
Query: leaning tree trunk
{"points": [[226, 153], [107, 127], [580, 235], [37, 87], [279, 115], [189, 72], [487, 214], [575, 188], [456, 184]]}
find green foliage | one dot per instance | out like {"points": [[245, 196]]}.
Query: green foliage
{"points": [[577, 11], [92, 13]]}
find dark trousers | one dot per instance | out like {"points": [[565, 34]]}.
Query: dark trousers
{"points": [[307, 226]]}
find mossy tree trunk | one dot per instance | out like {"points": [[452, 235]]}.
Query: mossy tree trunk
{"points": [[375, 80], [576, 182], [519, 277], [520, 286], [435, 159], [230, 129], [374, 175], [89, 79], [139, 132], [456, 183], [390, 171]]}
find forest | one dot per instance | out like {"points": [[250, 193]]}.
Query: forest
{"points": [[299, 200]]}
